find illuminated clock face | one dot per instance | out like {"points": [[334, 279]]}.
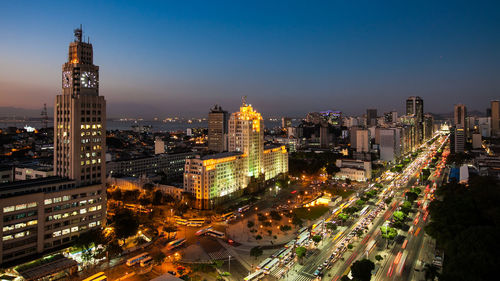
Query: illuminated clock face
{"points": [[67, 79], [88, 79]]}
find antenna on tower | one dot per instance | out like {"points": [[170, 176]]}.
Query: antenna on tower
{"points": [[244, 100], [45, 117], [78, 34]]}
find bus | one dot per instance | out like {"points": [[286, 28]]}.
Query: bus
{"points": [[271, 265], [194, 223], [277, 253], [98, 276], [136, 259], [290, 244], [302, 230], [364, 210], [202, 231], [286, 254], [243, 209], [181, 221], [216, 234], [255, 276], [264, 263], [176, 243], [228, 216], [146, 261], [302, 240]]}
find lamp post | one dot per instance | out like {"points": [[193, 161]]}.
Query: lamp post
{"points": [[229, 259]]}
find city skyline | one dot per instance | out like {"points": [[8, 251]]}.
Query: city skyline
{"points": [[181, 61]]}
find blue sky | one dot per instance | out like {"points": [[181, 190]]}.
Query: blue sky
{"points": [[289, 57]]}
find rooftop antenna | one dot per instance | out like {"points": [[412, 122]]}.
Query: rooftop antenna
{"points": [[78, 34], [244, 100]]}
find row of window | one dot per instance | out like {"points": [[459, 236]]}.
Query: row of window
{"points": [[94, 133], [19, 216], [19, 225], [74, 229], [19, 207], [18, 235]]}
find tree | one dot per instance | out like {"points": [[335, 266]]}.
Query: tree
{"points": [[275, 215], [250, 224], [343, 216], [399, 218], [388, 200], [379, 258], [317, 238], [350, 246], [297, 221], [331, 226], [285, 228], [158, 257], [301, 252], [411, 196], [362, 270], [256, 252], [360, 202], [431, 272], [406, 206], [388, 233], [126, 224], [258, 237]]}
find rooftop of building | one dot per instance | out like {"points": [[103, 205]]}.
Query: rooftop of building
{"points": [[33, 182], [221, 155], [45, 168]]}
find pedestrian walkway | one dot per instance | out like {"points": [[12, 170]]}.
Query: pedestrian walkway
{"points": [[222, 254]]}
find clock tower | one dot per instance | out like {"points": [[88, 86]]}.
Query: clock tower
{"points": [[80, 118]]}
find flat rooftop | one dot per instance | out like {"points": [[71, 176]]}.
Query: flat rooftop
{"points": [[33, 182], [220, 155]]}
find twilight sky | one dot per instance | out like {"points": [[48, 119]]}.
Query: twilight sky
{"points": [[289, 57]]}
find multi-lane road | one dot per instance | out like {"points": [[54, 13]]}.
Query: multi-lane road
{"points": [[400, 257]]}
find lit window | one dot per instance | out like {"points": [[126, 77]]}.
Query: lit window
{"points": [[32, 205], [8, 209], [83, 211], [74, 229], [8, 237], [20, 207], [56, 234], [65, 231]]}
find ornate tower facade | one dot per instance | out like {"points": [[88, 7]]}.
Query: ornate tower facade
{"points": [[80, 118]]}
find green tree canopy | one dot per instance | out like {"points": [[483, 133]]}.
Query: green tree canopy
{"points": [[317, 238], [362, 270], [300, 251]]}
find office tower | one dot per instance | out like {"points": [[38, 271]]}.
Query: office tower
{"points": [[371, 117], [80, 118], [286, 122], [324, 139], [476, 141], [459, 139], [390, 144], [246, 134], [217, 129], [391, 117], [362, 141], [460, 115], [214, 178], [45, 214], [415, 107], [159, 146], [428, 126], [495, 118]]}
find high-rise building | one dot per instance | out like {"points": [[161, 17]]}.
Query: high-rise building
{"points": [[44, 214], [80, 118], [286, 122], [212, 179], [460, 115], [371, 117], [428, 126], [246, 134], [159, 146], [362, 141], [459, 138], [415, 107], [390, 144], [217, 129], [495, 118], [391, 117]]}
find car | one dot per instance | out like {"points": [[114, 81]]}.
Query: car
{"points": [[316, 273], [325, 263]]}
